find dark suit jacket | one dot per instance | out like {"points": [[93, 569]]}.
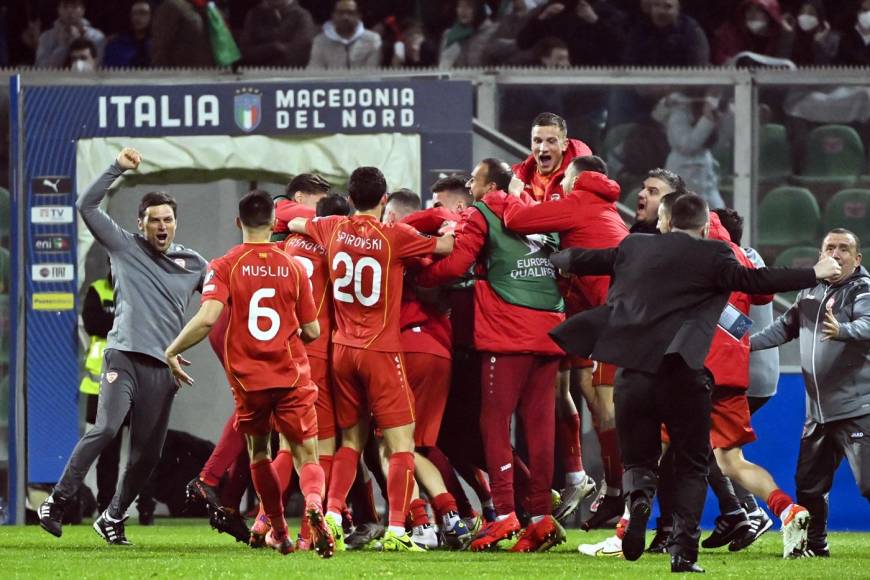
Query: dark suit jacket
{"points": [[667, 294]]}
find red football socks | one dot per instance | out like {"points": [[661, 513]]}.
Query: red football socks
{"points": [[778, 500], [611, 458], [444, 503], [228, 447], [266, 484], [326, 464], [312, 483], [448, 474], [283, 464], [568, 433], [343, 474], [419, 514], [400, 486]]}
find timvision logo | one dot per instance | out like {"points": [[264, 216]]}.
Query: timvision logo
{"points": [[248, 109]]}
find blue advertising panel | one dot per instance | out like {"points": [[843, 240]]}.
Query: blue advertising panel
{"points": [[56, 117]]}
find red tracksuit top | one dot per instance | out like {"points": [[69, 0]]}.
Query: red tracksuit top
{"points": [[498, 326]]}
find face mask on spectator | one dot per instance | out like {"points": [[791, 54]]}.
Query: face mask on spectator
{"points": [[82, 66], [807, 22], [864, 19], [756, 26]]}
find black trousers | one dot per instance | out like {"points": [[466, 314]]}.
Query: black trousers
{"points": [[679, 397], [143, 387], [823, 446], [109, 463]]}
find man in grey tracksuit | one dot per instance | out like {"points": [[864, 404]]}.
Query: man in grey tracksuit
{"points": [[154, 280], [832, 322]]}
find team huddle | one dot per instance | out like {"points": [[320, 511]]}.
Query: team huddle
{"points": [[393, 342]]}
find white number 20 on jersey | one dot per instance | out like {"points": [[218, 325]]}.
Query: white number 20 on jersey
{"points": [[354, 273]]}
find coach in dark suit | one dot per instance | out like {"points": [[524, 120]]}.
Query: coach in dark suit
{"points": [[667, 295]]}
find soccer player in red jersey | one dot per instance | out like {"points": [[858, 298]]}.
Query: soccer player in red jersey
{"points": [[312, 257], [425, 334], [271, 311], [366, 268], [230, 454], [302, 195]]}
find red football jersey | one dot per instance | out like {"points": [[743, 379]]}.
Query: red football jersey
{"points": [[312, 256], [366, 265], [268, 296]]}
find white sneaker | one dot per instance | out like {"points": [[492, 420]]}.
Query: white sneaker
{"points": [[611, 547], [572, 497], [425, 536], [795, 521]]}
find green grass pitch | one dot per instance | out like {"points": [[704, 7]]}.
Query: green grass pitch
{"points": [[190, 549]]}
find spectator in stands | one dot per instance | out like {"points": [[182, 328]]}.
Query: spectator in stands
{"points": [[855, 44], [502, 47], [277, 33], [551, 52], [757, 26], [82, 56], [412, 48], [815, 43], [132, 47], [71, 24], [667, 37], [593, 30], [691, 119], [180, 37], [344, 42], [463, 44]]}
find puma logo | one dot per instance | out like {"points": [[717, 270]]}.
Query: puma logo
{"points": [[52, 184]]}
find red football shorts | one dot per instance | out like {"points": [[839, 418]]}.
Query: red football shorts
{"points": [[729, 419], [429, 377], [604, 374], [572, 361], [371, 381], [324, 407], [288, 411]]}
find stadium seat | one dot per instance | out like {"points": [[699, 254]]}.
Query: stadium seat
{"points": [[615, 136], [774, 157], [797, 257], [788, 216], [850, 209], [834, 154]]}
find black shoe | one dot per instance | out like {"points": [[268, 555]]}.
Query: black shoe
{"points": [[635, 533], [362, 535], [608, 508], [759, 522], [659, 544], [810, 552], [51, 515], [199, 492], [727, 528], [112, 532], [680, 564], [146, 518], [230, 521]]}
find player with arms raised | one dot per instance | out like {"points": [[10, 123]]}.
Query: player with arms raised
{"points": [[270, 307]]}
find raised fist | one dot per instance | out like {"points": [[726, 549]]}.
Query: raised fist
{"points": [[129, 158]]}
